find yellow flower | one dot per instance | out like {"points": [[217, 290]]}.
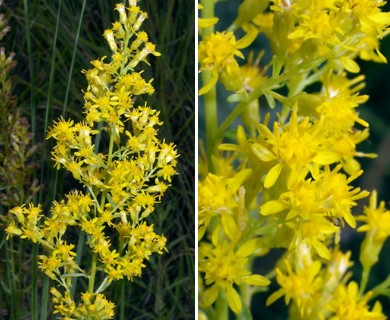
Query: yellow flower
{"points": [[314, 234], [314, 30], [223, 267], [293, 146], [336, 270], [218, 196], [348, 304], [62, 130], [376, 225], [326, 195], [299, 286], [50, 265], [13, 230], [376, 219], [217, 53]]}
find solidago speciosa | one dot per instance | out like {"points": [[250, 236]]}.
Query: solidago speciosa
{"points": [[287, 178], [121, 187]]}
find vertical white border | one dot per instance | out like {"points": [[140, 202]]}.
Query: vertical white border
{"points": [[196, 156]]}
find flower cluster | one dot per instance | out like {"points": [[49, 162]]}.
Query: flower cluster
{"points": [[217, 53], [122, 186], [320, 291], [287, 180], [225, 260], [305, 32]]}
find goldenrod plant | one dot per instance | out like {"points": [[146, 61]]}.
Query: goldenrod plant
{"points": [[285, 176], [121, 187]]}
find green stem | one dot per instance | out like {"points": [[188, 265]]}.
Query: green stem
{"points": [[11, 275], [210, 101], [381, 289], [365, 276], [91, 282], [79, 253], [45, 298], [34, 281], [109, 160], [122, 315], [208, 12], [103, 286], [222, 310], [270, 84], [210, 98]]}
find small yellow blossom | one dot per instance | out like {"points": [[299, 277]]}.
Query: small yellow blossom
{"points": [[325, 30], [299, 286], [348, 304], [218, 196], [217, 53], [329, 194], [224, 267], [376, 225]]}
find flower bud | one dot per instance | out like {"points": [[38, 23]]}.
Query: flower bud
{"points": [[120, 7], [142, 16], [109, 35]]}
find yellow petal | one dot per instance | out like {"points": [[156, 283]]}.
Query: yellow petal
{"points": [[382, 18], [241, 136], [321, 249], [215, 235], [382, 58], [234, 300], [229, 226], [349, 218], [239, 179], [229, 147], [208, 86], [264, 131], [248, 248], [299, 33], [201, 232], [275, 296], [207, 22], [272, 207], [326, 157], [247, 39], [256, 280], [350, 65], [273, 175], [262, 152], [210, 295]]}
